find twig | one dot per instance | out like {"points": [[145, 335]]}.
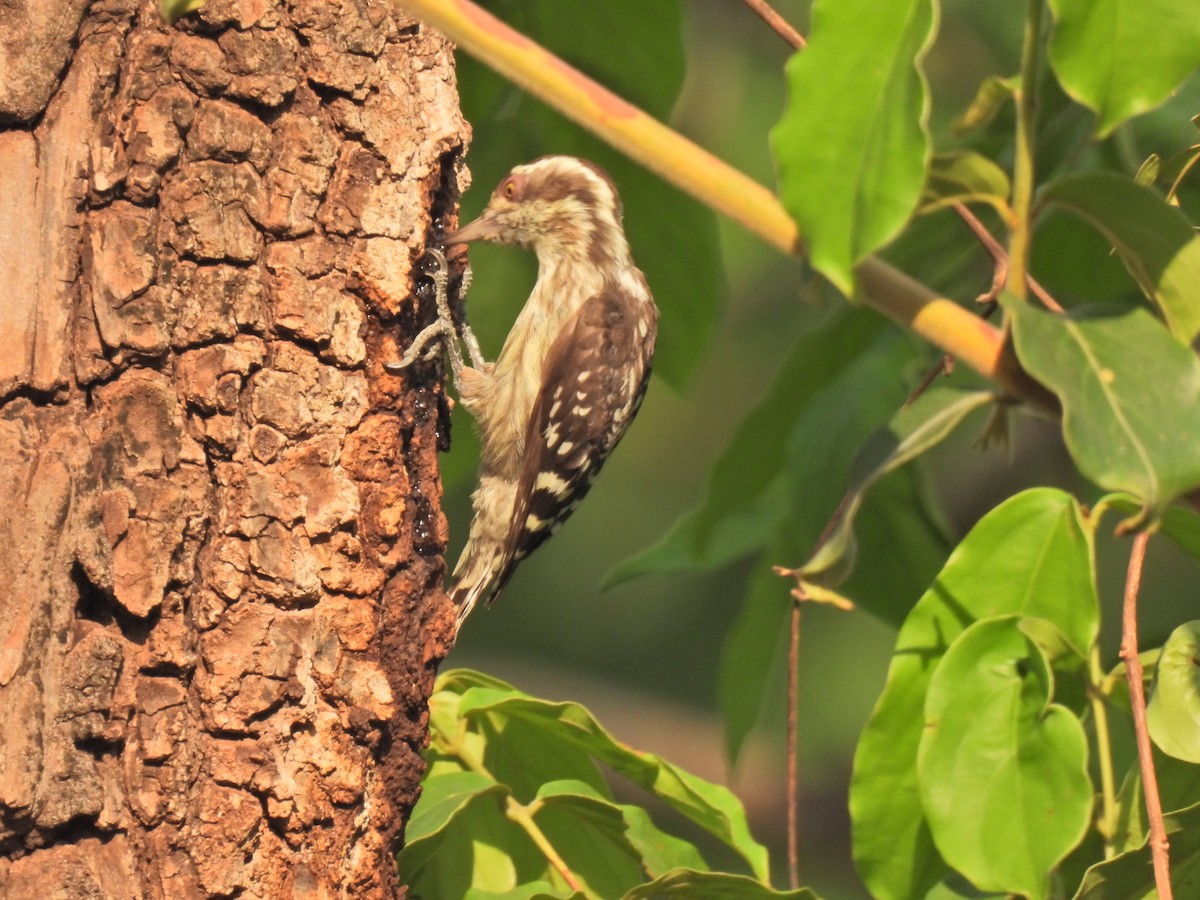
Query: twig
{"points": [[779, 23], [943, 367], [793, 752], [1022, 193], [1137, 701], [1000, 258]]}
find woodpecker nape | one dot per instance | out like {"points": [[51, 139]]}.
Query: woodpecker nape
{"points": [[570, 376]]}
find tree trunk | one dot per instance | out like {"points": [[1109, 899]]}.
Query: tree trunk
{"points": [[220, 525]]}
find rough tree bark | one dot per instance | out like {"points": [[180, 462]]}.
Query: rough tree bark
{"points": [[220, 525]]}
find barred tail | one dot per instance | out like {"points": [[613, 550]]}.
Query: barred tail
{"points": [[478, 576], [484, 565]]}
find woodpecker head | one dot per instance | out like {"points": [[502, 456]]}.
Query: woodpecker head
{"points": [[559, 206]]}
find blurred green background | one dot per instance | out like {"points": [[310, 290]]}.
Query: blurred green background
{"points": [[643, 655]]}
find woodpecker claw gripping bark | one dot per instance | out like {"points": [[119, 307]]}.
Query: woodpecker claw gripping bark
{"points": [[571, 374], [444, 332]]}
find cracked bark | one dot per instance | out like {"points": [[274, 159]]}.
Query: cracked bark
{"points": [[220, 519]]}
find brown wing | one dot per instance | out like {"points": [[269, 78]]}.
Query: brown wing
{"points": [[594, 380]]}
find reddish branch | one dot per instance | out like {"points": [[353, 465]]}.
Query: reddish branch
{"points": [[777, 22], [1000, 258], [1137, 701]]}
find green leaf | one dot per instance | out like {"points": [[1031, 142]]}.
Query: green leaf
{"points": [[692, 885], [1003, 771], [517, 754], [1030, 556], [659, 850], [852, 144], [1154, 240], [964, 176], [1130, 395], [751, 486], [588, 831], [778, 483], [1182, 526], [1130, 876], [914, 430], [1178, 789], [1072, 682], [1179, 523], [534, 890], [1173, 714], [442, 798], [530, 749], [1175, 170], [955, 887], [478, 847], [459, 681], [711, 806], [1123, 57], [846, 377], [172, 11], [674, 237]]}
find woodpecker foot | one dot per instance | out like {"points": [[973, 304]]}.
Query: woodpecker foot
{"points": [[445, 332]]}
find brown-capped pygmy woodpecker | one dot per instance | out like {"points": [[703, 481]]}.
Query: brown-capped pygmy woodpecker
{"points": [[571, 374]]}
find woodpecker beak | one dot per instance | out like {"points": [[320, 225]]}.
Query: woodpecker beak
{"points": [[484, 228]]}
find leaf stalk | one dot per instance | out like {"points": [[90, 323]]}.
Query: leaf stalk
{"points": [[1107, 824]]}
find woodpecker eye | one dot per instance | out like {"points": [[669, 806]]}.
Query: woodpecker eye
{"points": [[512, 187]]}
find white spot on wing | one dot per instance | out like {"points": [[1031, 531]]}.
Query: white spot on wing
{"points": [[551, 481]]}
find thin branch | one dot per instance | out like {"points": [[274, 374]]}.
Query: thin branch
{"points": [[793, 751], [779, 23], [942, 368], [1022, 199], [714, 183], [1000, 258], [1137, 702]]}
